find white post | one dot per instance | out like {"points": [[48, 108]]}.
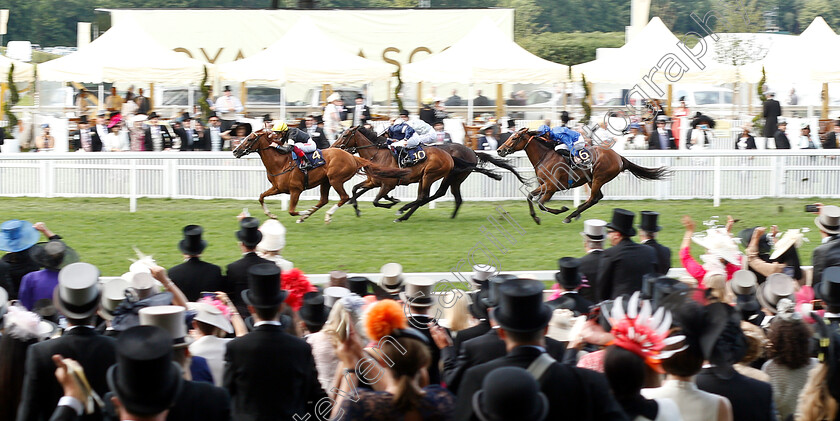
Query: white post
{"points": [[284, 202], [782, 174], [174, 174], [470, 95], [132, 186], [44, 175], [576, 196], [554, 103], [717, 182]]}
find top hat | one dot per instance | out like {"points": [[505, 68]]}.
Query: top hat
{"points": [[273, 235], [83, 119], [743, 282], [511, 123], [227, 88], [622, 221], [568, 277], [781, 121], [403, 113], [478, 307], [113, 294], [249, 231], [828, 289], [649, 220], [662, 118], [313, 311], [360, 96], [828, 220], [192, 244], [185, 116], [53, 254], [319, 119], [77, 294], [564, 117], [776, 287], [333, 294], [594, 229], [145, 378], [391, 280], [481, 273], [101, 113], [492, 298], [141, 285], [418, 292], [718, 318], [509, 393], [264, 286], [745, 235], [210, 314], [668, 290], [153, 115], [521, 307], [17, 235], [358, 285], [338, 278], [169, 318]]}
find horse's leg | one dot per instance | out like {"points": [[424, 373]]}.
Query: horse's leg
{"points": [[343, 198], [383, 194], [356, 195], [595, 196], [456, 193], [531, 210], [550, 190], [294, 196], [270, 192], [325, 198], [423, 192]]}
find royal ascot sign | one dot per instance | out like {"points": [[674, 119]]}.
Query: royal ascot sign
{"points": [[395, 36]]}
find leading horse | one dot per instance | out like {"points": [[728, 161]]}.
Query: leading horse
{"points": [[284, 176], [554, 172]]}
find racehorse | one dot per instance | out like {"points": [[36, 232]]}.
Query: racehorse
{"points": [[554, 172], [284, 177], [373, 147]]}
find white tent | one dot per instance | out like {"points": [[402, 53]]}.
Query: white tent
{"points": [[784, 61], [23, 71], [467, 62], [629, 63], [125, 53], [333, 63], [821, 38]]}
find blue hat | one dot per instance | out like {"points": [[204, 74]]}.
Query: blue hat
{"points": [[635, 126], [18, 235]]}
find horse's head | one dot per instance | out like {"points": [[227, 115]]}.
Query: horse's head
{"points": [[517, 142], [256, 141], [347, 140]]}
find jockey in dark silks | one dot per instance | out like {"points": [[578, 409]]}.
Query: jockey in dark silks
{"points": [[299, 140]]}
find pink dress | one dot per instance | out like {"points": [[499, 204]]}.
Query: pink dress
{"points": [[675, 123]]}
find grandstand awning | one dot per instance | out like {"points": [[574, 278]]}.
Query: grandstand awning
{"points": [[23, 70]]}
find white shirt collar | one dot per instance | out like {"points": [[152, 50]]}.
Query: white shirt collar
{"points": [[590, 251], [268, 322], [69, 328]]}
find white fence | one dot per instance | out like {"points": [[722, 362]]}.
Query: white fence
{"points": [[711, 175]]}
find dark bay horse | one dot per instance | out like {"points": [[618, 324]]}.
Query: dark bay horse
{"points": [[554, 173], [286, 178], [373, 147]]}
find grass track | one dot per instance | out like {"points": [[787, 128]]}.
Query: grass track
{"points": [[103, 231]]}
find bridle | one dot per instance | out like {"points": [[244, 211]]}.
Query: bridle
{"points": [[512, 147], [250, 141], [352, 149]]}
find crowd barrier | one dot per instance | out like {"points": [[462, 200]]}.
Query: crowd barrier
{"points": [[709, 174]]}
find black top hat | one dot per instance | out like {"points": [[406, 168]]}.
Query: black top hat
{"points": [[359, 285], [145, 378], [649, 220], [212, 114], [828, 289], [564, 117], [53, 254], [521, 307], [749, 308], [722, 340], [745, 235], [313, 311], [478, 307], [682, 98], [667, 290], [249, 231], [319, 119], [264, 286], [192, 243], [152, 115], [492, 297], [404, 113], [360, 96], [622, 221], [568, 277], [83, 119], [227, 88], [509, 393], [266, 117], [511, 123]]}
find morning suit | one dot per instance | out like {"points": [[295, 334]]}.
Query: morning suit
{"points": [[622, 268], [831, 141], [200, 401], [825, 255], [589, 265], [782, 141], [237, 278], [655, 142], [752, 400], [573, 393], [41, 391], [663, 256], [771, 113], [76, 140], [271, 376], [195, 275]]}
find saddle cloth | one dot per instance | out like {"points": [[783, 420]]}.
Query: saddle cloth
{"points": [[315, 157], [410, 157]]}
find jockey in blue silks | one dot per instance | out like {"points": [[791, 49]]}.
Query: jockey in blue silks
{"points": [[564, 138]]}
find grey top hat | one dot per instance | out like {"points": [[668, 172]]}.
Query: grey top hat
{"points": [[210, 314], [743, 282], [113, 293], [776, 287], [333, 294], [338, 278], [392, 278], [170, 319], [482, 273], [594, 229], [418, 292], [77, 294], [829, 219]]}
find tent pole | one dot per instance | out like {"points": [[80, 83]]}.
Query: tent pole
{"points": [[749, 98], [500, 101], [824, 114], [470, 98], [2, 96], [243, 95], [151, 96], [670, 99], [419, 96]]}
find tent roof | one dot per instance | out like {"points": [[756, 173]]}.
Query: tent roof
{"points": [[23, 70], [627, 64], [335, 63], [469, 61], [124, 53]]}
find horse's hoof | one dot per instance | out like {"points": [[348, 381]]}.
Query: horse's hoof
{"points": [[327, 221], [299, 221], [305, 213], [398, 213], [358, 213], [567, 220], [272, 216], [537, 220], [398, 220], [577, 217]]}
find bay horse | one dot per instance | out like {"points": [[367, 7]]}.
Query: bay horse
{"points": [[554, 173], [284, 177], [373, 147]]}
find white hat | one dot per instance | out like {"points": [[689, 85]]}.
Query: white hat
{"points": [[719, 244], [210, 314], [170, 319], [333, 97], [563, 323], [333, 294], [594, 229], [792, 237], [391, 280], [113, 293], [142, 284], [418, 292], [482, 273], [273, 236]]}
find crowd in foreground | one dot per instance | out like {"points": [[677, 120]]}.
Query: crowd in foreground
{"points": [[746, 335]]}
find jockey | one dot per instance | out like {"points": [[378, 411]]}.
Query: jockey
{"points": [[565, 139], [410, 133], [301, 142]]}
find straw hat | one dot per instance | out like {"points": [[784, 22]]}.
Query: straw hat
{"points": [[792, 237]]}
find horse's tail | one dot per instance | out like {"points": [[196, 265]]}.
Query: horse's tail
{"points": [[499, 162], [379, 171], [644, 173], [462, 166]]}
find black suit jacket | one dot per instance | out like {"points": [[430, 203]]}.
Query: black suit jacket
{"points": [[572, 301], [41, 391], [319, 137], [201, 401], [482, 349], [589, 265], [481, 328], [573, 393], [831, 141], [197, 143], [165, 135], [351, 113], [237, 278], [771, 113], [663, 256], [64, 413], [622, 268], [750, 144], [195, 275], [825, 256], [653, 140], [76, 140], [271, 375], [782, 141], [752, 400]]}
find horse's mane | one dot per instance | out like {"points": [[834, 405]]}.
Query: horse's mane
{"points": [[541, 142], [371, 136]]}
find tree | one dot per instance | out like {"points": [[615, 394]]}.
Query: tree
{"points": [[13, 98], [205, 96]]}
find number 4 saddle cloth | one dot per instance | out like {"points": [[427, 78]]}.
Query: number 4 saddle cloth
{"points": [[316, 158]]}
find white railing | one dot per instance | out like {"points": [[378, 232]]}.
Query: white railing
{"points": [[714, 175]]}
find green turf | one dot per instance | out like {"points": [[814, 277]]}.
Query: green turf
{"points": [[103, 231]]}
